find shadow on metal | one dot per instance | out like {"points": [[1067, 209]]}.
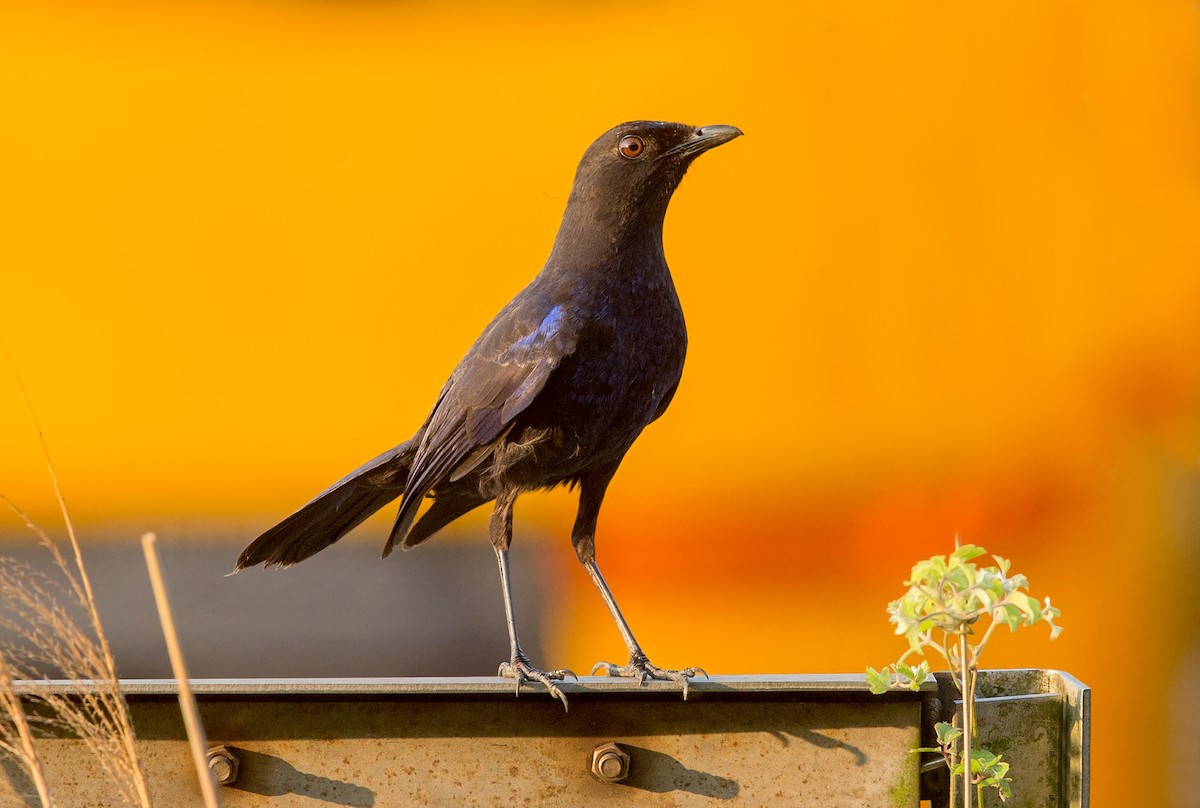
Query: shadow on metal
{"points": [[660, 773], [271, 776]]}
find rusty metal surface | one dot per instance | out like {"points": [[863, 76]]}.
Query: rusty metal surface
{"points": [[738, 741], [742, 741], [1040, 721]]}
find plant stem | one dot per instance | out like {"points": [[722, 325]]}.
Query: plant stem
{"points": [[968, 702], [197, 740], [25, 737]]}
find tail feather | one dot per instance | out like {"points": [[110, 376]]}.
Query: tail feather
{"points": [[334, 512], [451, 502]]}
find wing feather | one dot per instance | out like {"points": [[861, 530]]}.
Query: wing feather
{"points": [[498, 379]]}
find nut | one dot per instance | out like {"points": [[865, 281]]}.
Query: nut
{"points": [[223, 763], [610, 763]]}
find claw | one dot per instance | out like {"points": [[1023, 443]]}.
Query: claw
{"points": [[641, 669], [522, 670]]}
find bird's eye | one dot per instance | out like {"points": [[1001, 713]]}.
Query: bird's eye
{"points": [[632, 147]]}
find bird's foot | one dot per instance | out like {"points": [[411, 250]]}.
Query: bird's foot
{"points": [[641, 669], [521, 669]]}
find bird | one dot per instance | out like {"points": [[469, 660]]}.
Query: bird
{"points": [[554, 391]]}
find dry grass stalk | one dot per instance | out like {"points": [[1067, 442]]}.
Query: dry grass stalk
{"points": [[93, 707], [16, 740], [197, 741], [40, 612]]}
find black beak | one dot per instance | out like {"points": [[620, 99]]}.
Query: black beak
{"points": [[704, 138]]}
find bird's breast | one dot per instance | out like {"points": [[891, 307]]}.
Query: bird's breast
{"points": [[627, 360]]}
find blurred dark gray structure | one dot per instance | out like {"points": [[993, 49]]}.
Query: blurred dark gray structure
{"points": [[435, 611]]}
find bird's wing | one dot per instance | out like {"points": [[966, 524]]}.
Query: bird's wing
{"points": [[498, 379]]}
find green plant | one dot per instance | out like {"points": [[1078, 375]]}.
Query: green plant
{"points": [[953, 607]]}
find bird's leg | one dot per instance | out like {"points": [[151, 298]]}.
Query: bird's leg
{"points": [[583, 536], [639, 667], [518, 666]]}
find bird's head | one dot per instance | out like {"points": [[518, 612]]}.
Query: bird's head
{"points": [[630, 172]]}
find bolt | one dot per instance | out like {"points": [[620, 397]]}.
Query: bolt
{"points": [[610, 763], [223, 763]]}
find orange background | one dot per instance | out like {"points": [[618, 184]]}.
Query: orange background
{"points": [[948, 282]]}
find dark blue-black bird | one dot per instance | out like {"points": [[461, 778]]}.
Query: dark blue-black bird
{"points": [[554, 391]]}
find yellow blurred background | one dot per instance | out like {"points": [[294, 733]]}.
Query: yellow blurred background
{"points": [[949, 282]]}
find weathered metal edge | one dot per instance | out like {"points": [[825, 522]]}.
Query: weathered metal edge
{"points": [[1077, 721], [1077, 737], [474, 686]]}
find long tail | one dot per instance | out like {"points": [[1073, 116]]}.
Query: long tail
{"points": [[334, 512], [451, 501]]}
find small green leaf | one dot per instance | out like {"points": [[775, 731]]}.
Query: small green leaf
{"points": [[988, 770], [958, 578], [1028, 606], [928, 749], [1011, 616], [968, 551], [879, 681], [982, 760], [947, 733]]}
